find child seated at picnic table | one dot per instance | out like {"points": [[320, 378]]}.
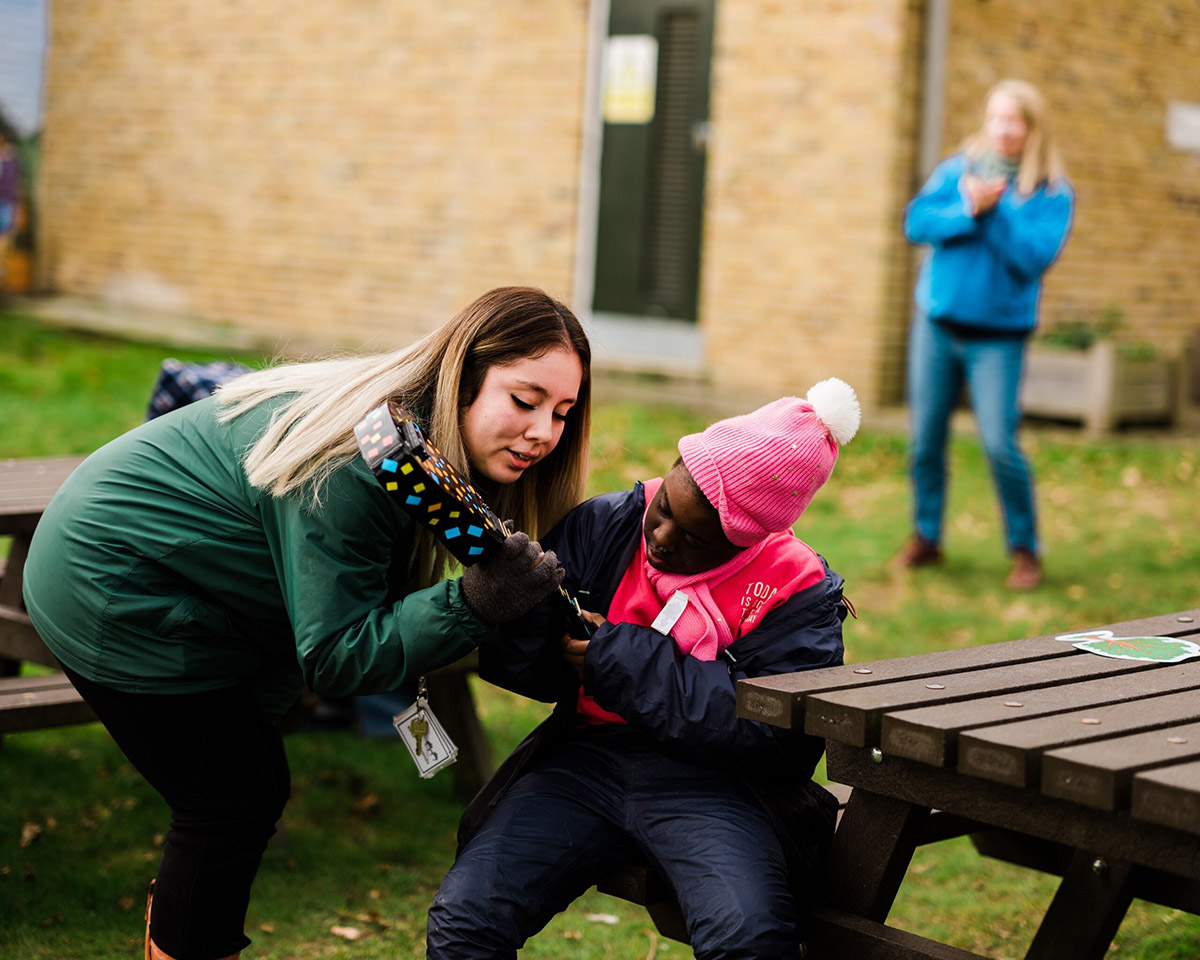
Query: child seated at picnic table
{"points": [[704, 583]]}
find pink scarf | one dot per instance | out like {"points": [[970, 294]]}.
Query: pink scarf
{"points": [[701, 630], [771, 572]]}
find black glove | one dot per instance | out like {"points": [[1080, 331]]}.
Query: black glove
{"points": [[511, 580]]}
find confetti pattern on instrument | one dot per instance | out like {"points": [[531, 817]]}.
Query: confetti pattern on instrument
{"points": [[414, 471]]}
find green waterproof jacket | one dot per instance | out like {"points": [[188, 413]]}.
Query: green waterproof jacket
{"points": [[157, 568]]}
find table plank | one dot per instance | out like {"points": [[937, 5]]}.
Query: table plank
{"points": [[855, 716], [1169, 796], [45, 681], [779, 700], [1026, 811], [1100, 774], [26, 488], [39, 709], [839, 933], [1012, 753], [930, 734], [34, 480]]}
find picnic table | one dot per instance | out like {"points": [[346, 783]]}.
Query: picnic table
{"points": [[1049, 756], [30, 703]]}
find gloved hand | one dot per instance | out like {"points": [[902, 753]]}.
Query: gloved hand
{"points": [[511, 580]]}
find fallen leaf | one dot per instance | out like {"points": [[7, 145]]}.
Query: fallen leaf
{"points": [[125, 903], [602, 918], [267, 927], [572, 935], [346, 933], [366, 806], [29, 833]]}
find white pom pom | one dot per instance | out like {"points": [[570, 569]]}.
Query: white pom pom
{"points": [[836, 405]]}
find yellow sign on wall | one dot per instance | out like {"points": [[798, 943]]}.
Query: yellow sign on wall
{"points": [[630, 78]]}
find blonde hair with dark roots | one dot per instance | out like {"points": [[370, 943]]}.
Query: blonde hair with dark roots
{"points": [[311, 435], [1040, 160]]}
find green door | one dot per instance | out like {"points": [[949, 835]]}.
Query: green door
{"points": [[655, 106]]}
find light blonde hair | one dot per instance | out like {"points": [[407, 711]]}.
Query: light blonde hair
{"points": [[311, 434], [1040, 159]]}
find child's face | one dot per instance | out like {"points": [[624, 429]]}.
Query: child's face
{"points": [[682, 529]]}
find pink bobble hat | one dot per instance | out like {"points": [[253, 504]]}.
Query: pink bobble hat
{"points": [[762, 469]]}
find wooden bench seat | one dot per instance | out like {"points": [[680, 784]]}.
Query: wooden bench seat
{"points": [[36, 703]]}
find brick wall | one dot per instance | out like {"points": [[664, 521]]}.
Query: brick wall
{"points": [[357, 170], [1108, 70], [804, 269], [354, 170]]}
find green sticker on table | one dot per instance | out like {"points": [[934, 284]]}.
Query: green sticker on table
{"points": [[1154, 649]]}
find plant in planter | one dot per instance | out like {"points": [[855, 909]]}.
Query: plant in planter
{"points": [[1079, 370]]}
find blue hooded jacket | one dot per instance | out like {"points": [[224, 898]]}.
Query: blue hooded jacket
{"points": [[686, 706], [986, 271]]}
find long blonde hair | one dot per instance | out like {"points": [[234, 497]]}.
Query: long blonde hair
{"points": [[311, 434], [1040, 159]]}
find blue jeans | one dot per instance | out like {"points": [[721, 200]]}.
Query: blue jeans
{"points": [[939, 361], [605, 798]]}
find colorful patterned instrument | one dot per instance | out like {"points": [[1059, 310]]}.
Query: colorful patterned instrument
{"points": [[413, 470], [431, 490]]}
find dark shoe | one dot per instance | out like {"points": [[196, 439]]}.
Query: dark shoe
{"points": [[918, 552], [1026, 573]]}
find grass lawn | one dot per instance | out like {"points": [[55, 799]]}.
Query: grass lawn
{"points": [[365, 842]]}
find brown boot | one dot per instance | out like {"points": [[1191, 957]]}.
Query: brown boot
{"points": [[152, 949], [156, 954], [149, 902], [918, 552], [1026, 572]]}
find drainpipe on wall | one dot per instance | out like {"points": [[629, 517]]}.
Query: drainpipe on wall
{"points": [[933, 85], [588, 213], [935, 30]]}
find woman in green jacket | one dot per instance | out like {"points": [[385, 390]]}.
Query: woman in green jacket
{"points": [[193, 575]]}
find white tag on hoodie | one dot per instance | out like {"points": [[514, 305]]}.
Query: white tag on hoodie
{"points": [[669, 615]]}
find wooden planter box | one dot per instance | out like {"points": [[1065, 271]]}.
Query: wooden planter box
{"points": [[1100, 388]]}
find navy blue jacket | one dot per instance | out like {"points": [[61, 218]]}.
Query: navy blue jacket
{"points": [[685, 705]]}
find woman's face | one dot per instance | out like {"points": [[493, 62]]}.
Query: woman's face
{"points": [[682, 529], [519, 414], [1005, 126]]}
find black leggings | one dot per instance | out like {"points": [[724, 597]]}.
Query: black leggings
{"points": [[221, 767]]}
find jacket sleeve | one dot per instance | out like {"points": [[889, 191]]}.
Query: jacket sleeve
{"points": [[525, 655], [689, 705], [332, 564], [939, 212], [1027, 237]]}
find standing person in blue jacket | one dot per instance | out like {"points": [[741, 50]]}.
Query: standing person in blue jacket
{"points": [[996, 215], [702, 583]]}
